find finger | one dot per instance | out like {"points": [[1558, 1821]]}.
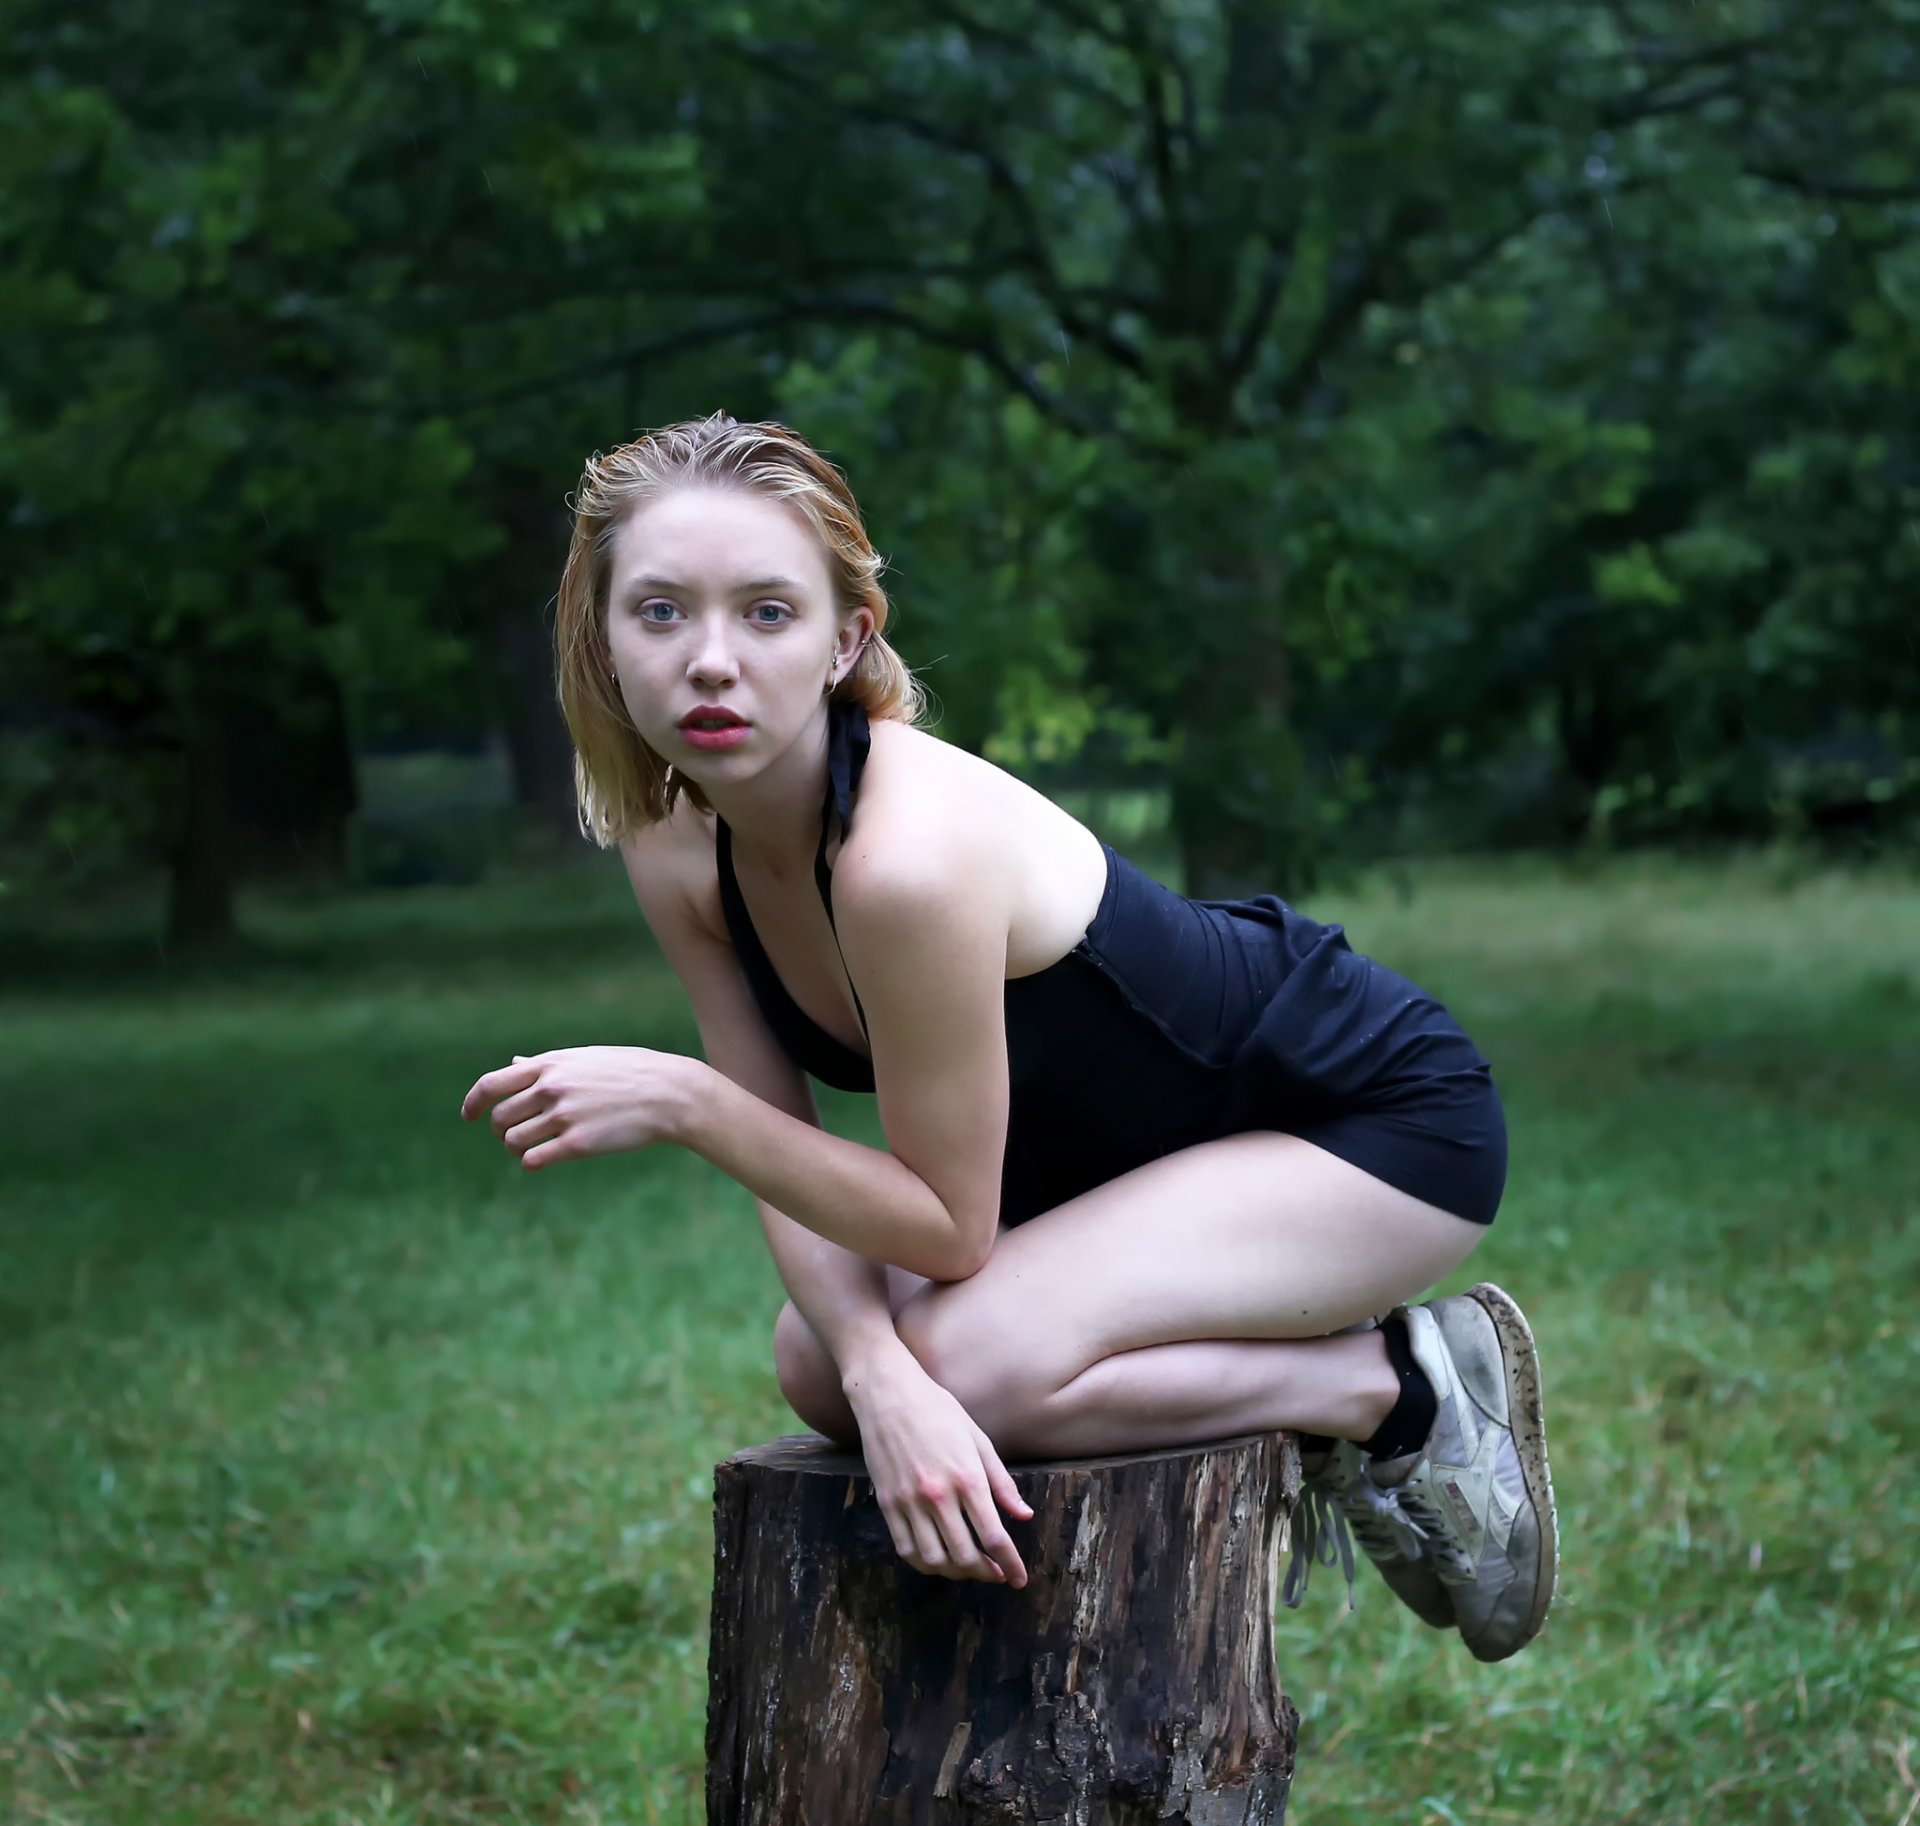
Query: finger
{"points": [[927, 1543], [542, 1127], [498, 1084], [902, 1535], [968, 1561], [995, 1542], [530, 1102], [1005, 1491], [550, 1153]]}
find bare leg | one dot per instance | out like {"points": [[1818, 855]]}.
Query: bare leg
{"points": [[1191, 1299], [1165, 1394], [1175, 1394], [808, 1375]]}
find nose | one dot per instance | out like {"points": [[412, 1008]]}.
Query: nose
{"points": [[712, 662]]}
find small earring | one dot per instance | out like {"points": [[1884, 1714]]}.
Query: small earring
{"points": [[831, 680]]}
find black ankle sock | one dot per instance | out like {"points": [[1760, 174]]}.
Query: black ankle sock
{"points": [[1406, 1428]]}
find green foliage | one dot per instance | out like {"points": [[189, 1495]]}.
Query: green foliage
{"points": [[230, 457], [1355, 406]]}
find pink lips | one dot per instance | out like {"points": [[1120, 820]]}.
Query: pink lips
{"points": [[728, 735], [722, 728]]}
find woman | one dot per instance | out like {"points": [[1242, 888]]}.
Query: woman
{"points": [[1150, 1163]]}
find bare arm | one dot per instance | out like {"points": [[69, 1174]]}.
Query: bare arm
{"points": [[925, 939], [841, 1294], [937, 1476]]}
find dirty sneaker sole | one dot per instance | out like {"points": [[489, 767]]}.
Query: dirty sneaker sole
{"points": [[1520, 1362]]}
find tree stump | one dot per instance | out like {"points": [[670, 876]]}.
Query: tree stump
{"points": [[1131, 1681]]}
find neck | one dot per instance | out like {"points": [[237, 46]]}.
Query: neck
{"points": [[775, 818]]}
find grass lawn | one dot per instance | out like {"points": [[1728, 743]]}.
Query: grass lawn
{"points": [[345, 1476]]}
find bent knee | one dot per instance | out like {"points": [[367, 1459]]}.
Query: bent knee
{"points": [[988, 1374], [809, 1378], [801, 1363]]}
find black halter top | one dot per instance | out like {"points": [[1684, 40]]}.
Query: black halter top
{"points": [[1169, 1022], [808, 1043]]}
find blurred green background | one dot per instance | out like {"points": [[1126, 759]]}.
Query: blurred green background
{"points": [[1453, 465]]}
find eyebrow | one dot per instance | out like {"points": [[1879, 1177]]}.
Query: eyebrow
{"points": [[739, 589]]}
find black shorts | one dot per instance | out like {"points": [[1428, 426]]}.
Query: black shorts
{"points": [[1446, 1145], [1177, 1021]]}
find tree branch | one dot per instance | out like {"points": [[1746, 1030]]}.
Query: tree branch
{"points": [[1133, 42], [1033, 249], [1014, 46], [981, 344], [1160, 138], [1367, 282], [693, 336], [1845, 190], [1648, 104], [1087, 21], [1253, 332]]}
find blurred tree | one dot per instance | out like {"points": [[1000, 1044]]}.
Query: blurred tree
{"points": [[249, 260], [1198, 236], [1334, 400], [1671, 543]]}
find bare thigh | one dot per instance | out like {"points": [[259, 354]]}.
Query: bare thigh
{"points": [[1255, 1235]]}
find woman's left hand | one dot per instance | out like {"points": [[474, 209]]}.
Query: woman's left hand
{"points": [[585, 1100]]}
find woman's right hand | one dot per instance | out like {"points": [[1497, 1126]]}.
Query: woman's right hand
{"points": [[933, 1472]]}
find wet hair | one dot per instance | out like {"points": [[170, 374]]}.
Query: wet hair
{"points": [[621, 784]]}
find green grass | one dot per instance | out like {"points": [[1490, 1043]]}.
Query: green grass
{"points": [[347, 1477]]}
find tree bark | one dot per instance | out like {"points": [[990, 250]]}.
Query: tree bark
{"points": [[1131, 1682], [200, 878], [292, 782], [1241, 810], [520, 579], [539, 748]]}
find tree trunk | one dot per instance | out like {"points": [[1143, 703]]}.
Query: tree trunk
{"points": [[293, 785], [201, 863], [1240, 794], [522, 578], [539, 748], [1131, 1683]]}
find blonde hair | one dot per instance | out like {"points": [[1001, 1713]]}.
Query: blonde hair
{"points": [[620, 782]]}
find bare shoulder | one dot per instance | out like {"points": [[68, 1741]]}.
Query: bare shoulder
{"points": [[936, 822], [924, 817], [671, 866]]}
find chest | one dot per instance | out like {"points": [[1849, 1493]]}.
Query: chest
{"points": [[790, 922]]}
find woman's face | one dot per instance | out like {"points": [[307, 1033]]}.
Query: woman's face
{"points": [[719, 596]]}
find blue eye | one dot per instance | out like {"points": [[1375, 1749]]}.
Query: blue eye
{"points": [[645, 606], [779, 608]]}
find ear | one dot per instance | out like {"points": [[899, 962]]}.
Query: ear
{"points": [[858, 631]]}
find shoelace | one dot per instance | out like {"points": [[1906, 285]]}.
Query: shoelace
{"points": [[1322, 1534], [1387, 1527], [1319, 1538], [1450, 1560]]}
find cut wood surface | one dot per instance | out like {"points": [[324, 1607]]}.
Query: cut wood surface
{"points": [[1132, 1680]]}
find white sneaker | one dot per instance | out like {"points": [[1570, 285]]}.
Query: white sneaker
{"points": [[1340, 1504], [1479, 1490], [1337, 1496]]}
